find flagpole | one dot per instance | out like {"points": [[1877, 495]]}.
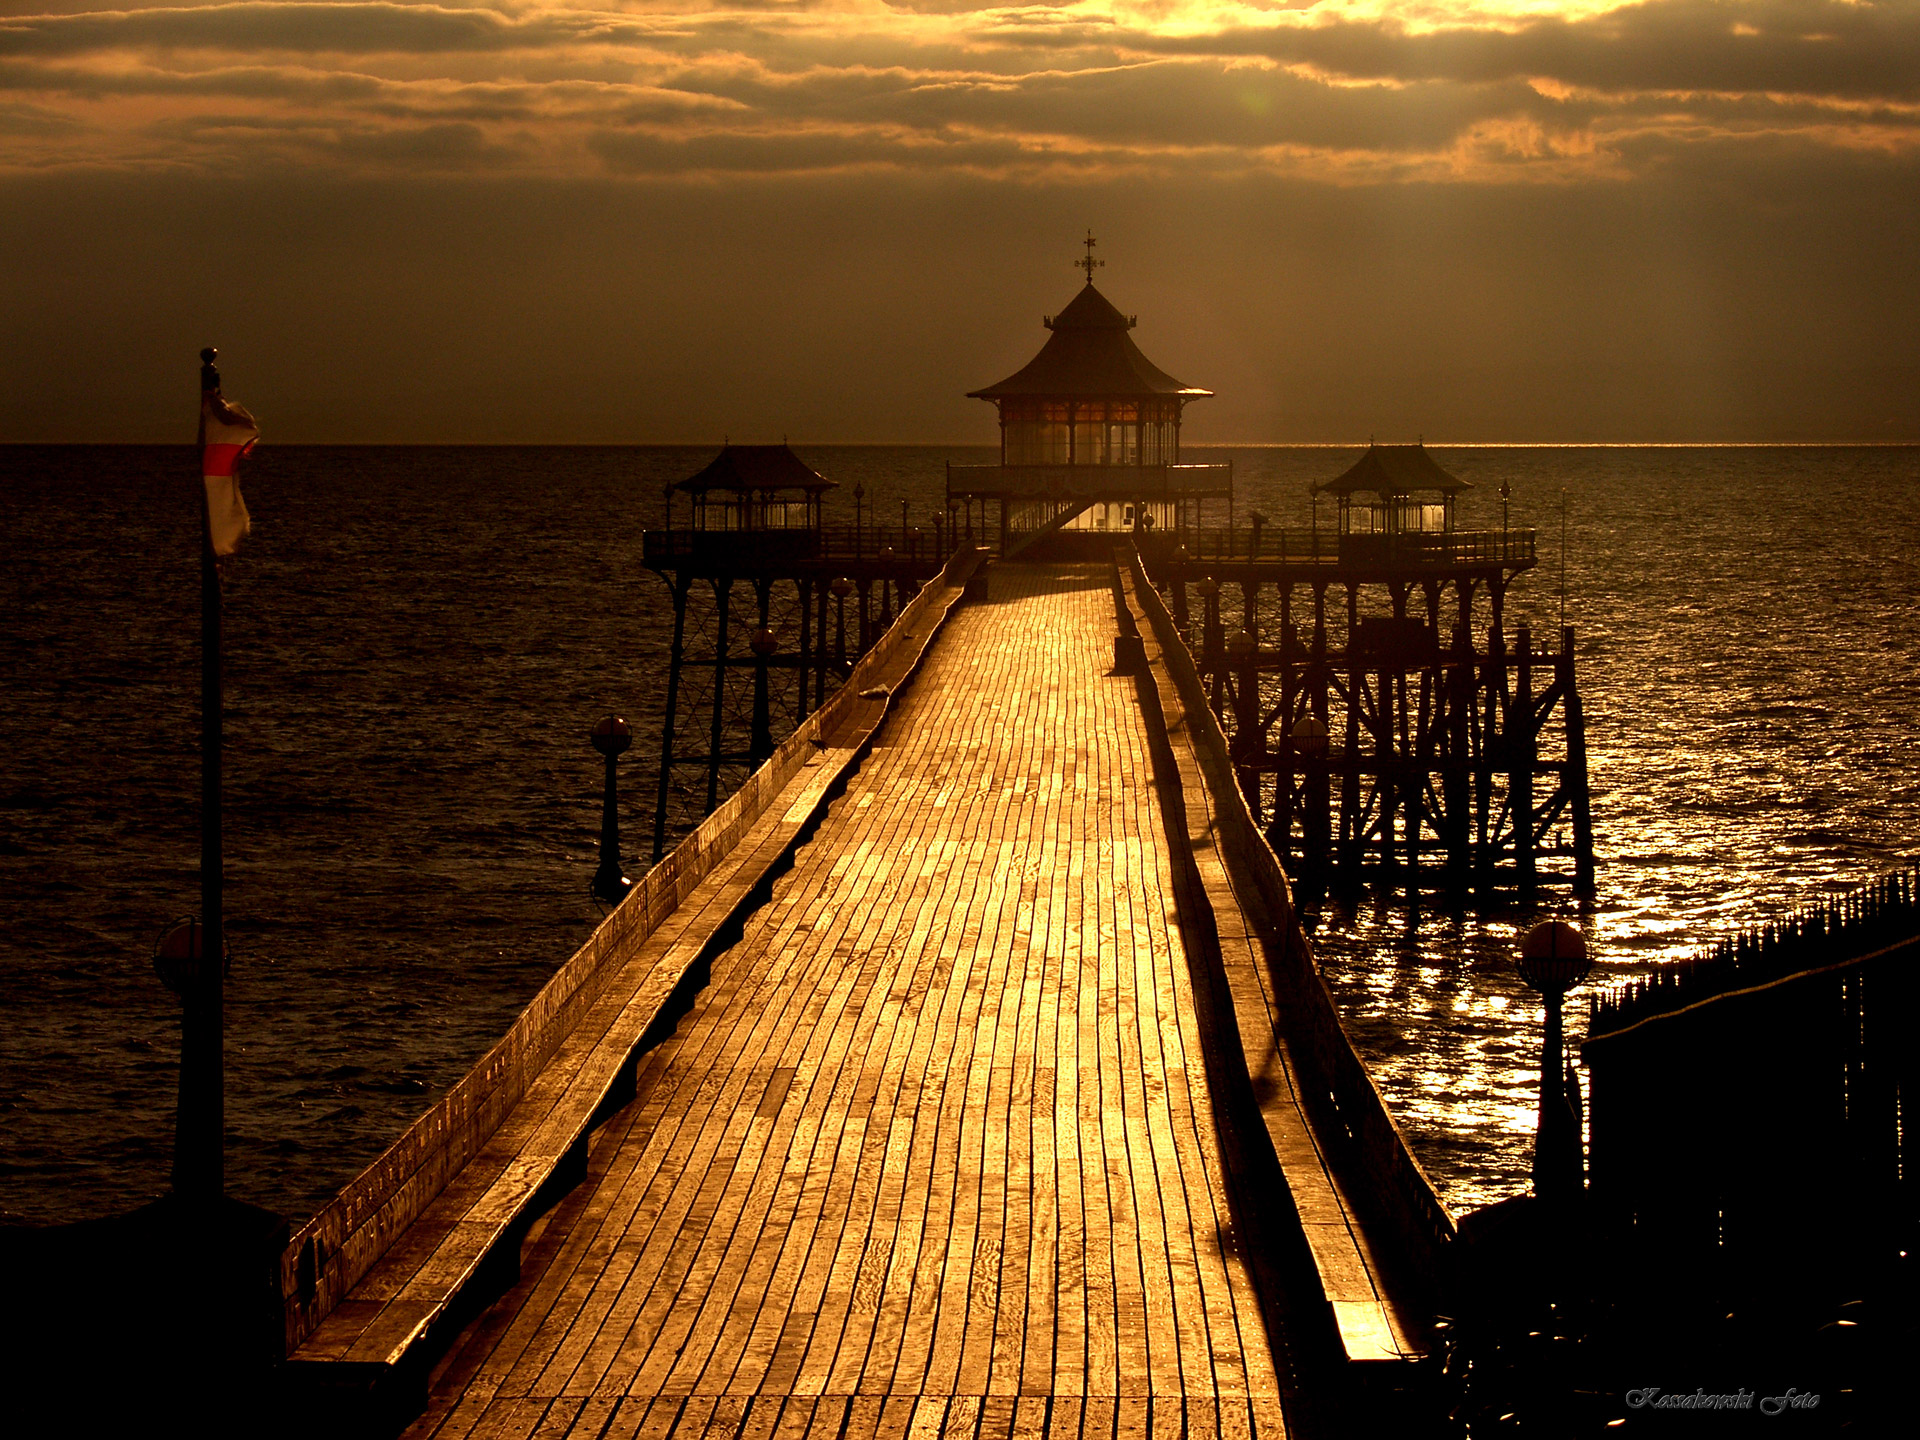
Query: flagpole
{"points": [[199, 1160]]}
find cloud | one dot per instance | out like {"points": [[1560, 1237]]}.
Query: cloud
{"points": [[1352, 92], [261, 25], [1819, 47]]}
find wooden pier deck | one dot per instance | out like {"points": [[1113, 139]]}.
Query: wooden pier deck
{"points": [[935, 1150]]}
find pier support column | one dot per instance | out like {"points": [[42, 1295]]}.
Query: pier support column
{"points": [[1575, 778], [1492, 753], [676, 654], [805, 587], [820, 594], [1455, 781], [762, 644], [1388, 789], [1352, 836], [723, 597], [1319, 799], [1523, 747]]}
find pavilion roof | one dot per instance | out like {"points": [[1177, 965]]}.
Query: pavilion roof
{"points": [[1089, 354], [1389, 470], [756, 467]]}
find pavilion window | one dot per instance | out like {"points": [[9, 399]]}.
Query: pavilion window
{"points": [[1035, 442]]}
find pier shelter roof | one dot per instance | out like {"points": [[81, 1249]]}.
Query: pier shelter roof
{"points": [[749, 468], [1391, 470], [1089, 354]]}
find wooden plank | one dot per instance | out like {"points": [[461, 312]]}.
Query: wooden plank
{"points": [[513, 1419]]}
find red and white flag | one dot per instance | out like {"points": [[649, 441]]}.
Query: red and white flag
{"points": [[230, 433]]}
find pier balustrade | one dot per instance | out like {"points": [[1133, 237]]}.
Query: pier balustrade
{"points": [[1145, 482], [465, 1253], [1326, 547], [915, 547], [1398, 1192]]}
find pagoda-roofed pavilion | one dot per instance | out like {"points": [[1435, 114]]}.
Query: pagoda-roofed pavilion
{"points": [[1411, 497], [1089, 434], [756, 487]]}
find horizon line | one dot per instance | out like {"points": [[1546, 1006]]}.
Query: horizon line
{"points": [[989, 445]]}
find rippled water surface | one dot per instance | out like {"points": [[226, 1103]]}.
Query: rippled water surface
{"points": [[418, 639]]}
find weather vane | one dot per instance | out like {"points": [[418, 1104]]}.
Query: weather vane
{"points": [[1089, 264]]}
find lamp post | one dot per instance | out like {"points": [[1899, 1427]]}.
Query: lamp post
{"points": [[1553, 959], [611, 737], [1313, 500], [1506, 492]]}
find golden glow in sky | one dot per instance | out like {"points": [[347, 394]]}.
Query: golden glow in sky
{"points": [[1346, 92]]}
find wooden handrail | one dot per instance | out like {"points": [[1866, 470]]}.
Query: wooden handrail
{"points": [[1398, 1187], [340, 1244]]}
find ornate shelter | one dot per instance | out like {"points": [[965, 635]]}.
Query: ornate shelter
{"points": [[756, 487], [1089, 435], [1410, 508]]}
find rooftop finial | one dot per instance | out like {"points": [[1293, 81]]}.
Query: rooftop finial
{"points": [[1089, 264]]}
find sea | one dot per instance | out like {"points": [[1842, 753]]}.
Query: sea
{"points": [[419, 638]]}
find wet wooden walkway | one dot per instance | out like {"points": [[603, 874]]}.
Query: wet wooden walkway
{"points": [[934, 1151]]}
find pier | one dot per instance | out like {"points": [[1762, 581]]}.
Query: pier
{"points": [[1384, 725], [964, 1068], [966, 1072]]}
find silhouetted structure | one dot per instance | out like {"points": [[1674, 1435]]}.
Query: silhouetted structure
{"points": [[761, 627], [1089, 439], [1750, 1115], [1392, 742]]}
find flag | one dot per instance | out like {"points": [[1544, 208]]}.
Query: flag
{"points": [[230, 433]]}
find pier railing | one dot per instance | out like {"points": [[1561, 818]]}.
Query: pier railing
{"points": [[1308, 546], [921, 544], [910, 545], [1090, 482], [1398, 1190], [336, 1249]]}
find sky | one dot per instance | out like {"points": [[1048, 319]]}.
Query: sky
{"points": [[1522, 221]]}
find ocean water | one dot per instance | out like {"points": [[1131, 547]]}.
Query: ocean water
{"points": [[419, 639]]}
